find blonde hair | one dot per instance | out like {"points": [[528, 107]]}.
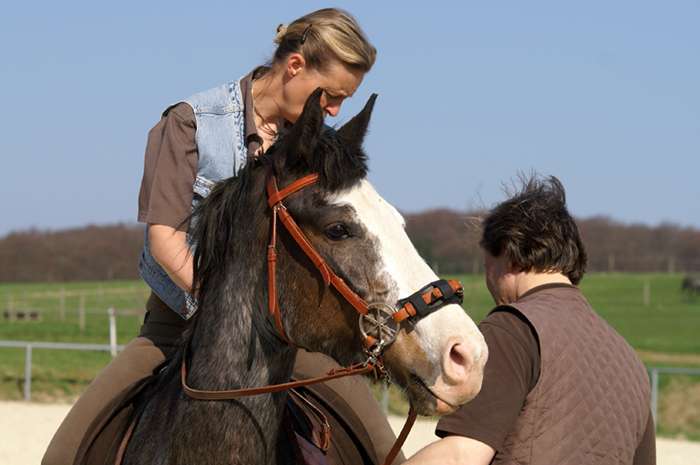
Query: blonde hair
{"points": [[325, 35]]}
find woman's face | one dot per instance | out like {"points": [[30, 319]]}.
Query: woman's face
{"points": [[338, 82]]}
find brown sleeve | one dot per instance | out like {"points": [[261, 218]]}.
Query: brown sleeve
{"points": [[170, 168], [646, 450], [511, 371]]}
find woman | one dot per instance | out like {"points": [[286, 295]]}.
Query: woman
{"points": [[205, 139]]}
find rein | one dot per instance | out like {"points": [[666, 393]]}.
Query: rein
{"points": [[379, 323]]}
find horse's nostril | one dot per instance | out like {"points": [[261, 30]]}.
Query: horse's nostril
{"points": [[457, 363], [456, 356]]}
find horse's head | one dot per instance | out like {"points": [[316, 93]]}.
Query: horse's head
{"points": [[438, 359]]}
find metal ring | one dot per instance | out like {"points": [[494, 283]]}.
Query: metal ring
{"points": [[379, 324]]}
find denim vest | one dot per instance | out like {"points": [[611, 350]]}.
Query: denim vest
{"points": [[220, 139]]}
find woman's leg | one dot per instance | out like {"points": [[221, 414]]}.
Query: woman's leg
{"points": [[159, 337]]}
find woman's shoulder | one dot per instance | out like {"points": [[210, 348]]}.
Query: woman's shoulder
{"points": [[222, 99]]}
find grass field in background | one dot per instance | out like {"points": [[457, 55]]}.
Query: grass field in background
{"points": [[662, 323]]}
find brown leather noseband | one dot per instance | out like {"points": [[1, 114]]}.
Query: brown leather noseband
{"points": [[379, 324]]}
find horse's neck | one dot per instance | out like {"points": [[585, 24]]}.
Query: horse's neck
{"points": [[228, 354]]}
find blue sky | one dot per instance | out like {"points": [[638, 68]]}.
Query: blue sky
{"points": [[604, 95]]}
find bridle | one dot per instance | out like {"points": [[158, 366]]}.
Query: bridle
{"points": [[379, 323]]}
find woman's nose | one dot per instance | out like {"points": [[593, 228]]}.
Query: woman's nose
{"points": [[332, 110]]}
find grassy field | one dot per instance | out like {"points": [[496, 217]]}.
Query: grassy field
{"points": [[660, 322]]}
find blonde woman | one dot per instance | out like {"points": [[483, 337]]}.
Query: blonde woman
{"points": [[204, 139]]}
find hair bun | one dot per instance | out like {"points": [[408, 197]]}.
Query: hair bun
{"points": [[281, 31]]}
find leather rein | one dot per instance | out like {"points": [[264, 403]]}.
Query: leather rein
{"points": [[379, 323]]}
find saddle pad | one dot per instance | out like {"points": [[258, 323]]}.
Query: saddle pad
{"points": [[104, 435]]}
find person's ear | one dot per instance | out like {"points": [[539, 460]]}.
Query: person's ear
{"points": [[295, 64]]}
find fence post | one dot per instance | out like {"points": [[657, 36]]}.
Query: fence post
{"points": [[62, 304], [28, 373], [10, 307], [655, 395], [646, 293], [81, 312], [100, 294], [112, 332]]}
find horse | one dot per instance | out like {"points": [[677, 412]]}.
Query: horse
{"points": [[245, 268], [691, 285]]}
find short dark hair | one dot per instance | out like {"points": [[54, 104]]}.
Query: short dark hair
{"points": [[535, 231]]}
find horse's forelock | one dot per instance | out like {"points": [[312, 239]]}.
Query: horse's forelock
{"points": [[339, 165]]}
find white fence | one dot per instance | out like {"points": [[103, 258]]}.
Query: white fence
{"points": [[654, 373], [29, 346], [113, 348]]}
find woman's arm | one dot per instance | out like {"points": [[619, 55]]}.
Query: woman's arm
{"points": [[456, 450], [170, 249]]}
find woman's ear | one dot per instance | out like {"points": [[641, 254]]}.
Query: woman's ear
{"points": [[295, 64]]}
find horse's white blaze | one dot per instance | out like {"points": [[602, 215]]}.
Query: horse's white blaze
{"points": [[406, 269]]}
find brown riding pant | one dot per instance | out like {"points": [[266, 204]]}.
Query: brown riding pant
{"points": [[158, 338]]}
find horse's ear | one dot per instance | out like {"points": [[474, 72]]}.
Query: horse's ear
{"points": [[353, 132], [305, 133]]}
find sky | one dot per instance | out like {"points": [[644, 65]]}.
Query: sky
{"points": [[603, 95]]}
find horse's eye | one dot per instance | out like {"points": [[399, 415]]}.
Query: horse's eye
{"points": [[337, 232]]}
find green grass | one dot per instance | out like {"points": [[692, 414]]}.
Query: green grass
{"points": [[666, 332], [58, 374]]}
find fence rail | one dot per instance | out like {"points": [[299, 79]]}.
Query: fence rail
{"points": [[113, 348], [654, 373], [30, 346]]}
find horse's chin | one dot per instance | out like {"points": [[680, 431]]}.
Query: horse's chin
{"points": [[424, 401]]}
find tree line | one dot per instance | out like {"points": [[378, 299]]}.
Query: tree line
{"points": [[447, 239]]}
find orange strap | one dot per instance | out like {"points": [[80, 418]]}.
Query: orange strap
{"points": [[410, 420], [275, 198], [200, 394]]}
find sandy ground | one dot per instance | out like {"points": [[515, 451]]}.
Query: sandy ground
{"points": [[26, 429]]}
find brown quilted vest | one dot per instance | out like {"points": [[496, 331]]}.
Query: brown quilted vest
{"points": [[591, 402]]}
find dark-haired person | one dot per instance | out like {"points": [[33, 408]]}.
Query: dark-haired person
{"points": [[560, 385], [207, 138]]}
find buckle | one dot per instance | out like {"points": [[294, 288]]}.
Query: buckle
{"points": [[379, 324]]}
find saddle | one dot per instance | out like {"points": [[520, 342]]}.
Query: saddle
{"points": [[319, 429]]}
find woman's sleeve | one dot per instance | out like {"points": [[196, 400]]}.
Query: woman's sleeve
{"points": [[170, 168]]}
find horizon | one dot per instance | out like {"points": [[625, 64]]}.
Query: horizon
{"points": [[133, 223], [603, 96]]}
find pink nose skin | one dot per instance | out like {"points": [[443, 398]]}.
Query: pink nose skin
{"points": [[457, 364]]}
